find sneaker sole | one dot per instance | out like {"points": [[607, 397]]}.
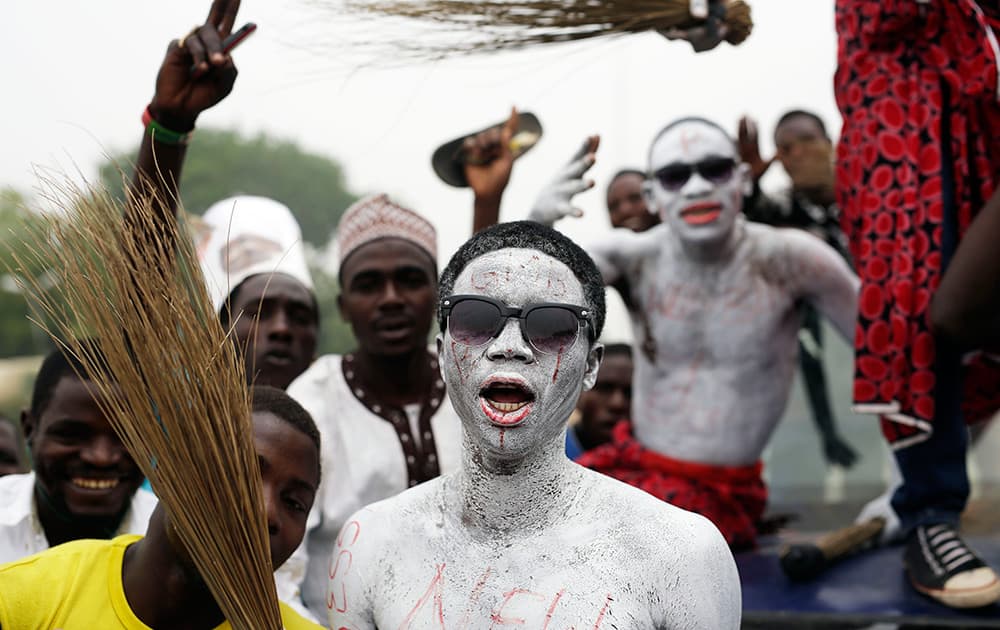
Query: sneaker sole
{"points": [[964, 598]]}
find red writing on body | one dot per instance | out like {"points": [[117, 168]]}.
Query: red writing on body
{"points": [[340, 566], [518, 607], [433, 592]]}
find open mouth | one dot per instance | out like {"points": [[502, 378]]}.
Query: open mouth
{"points": [[701, 213], [279, 358], [394, 328], [636, 224], [94, 484], [506, 401]]}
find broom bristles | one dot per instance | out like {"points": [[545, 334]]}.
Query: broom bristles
{"points": [[494, 25], [171, 382]]}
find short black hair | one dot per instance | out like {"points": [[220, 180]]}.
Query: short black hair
{"points": [[688, 119], [795, 113], [57, 365], [226, 316], [530, 235], [623, 173], [266, 399], [617, 349]]}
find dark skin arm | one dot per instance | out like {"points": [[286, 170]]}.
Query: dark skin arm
{"points": [[181, 96], [487, 169], [161, 583], [966, 306], [748, 143], [836, 449]]}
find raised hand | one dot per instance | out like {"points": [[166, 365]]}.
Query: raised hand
{"points": [[196, 72], [555, 201], [489, 159], [748, 143]]}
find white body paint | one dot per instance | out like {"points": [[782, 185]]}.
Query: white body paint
{"points": [[721, 300], [520, 535]]}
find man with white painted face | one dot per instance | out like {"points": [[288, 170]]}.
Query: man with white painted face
{"points": [[721, 297], [519, 534]]}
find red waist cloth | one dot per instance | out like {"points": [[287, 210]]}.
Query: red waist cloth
{"points": [[732, 497]]}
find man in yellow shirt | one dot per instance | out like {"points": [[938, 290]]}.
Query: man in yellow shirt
{"points": [[139, 583]]}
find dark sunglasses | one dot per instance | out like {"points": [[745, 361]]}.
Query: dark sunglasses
{"points": [[716, 170], [549, 327]]}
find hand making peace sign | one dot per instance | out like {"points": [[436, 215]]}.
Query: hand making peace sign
{"points": [[197, 72]]}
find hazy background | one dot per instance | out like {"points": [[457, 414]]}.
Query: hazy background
{"points": [[77, 75]]}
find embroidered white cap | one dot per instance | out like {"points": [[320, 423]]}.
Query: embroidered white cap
{"points": [[246, 236], [376, 217]]}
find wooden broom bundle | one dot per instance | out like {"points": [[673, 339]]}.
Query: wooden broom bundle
{"points": [[493, 25], [172, 381]]}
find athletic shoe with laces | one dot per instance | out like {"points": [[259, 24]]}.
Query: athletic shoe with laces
{"points": [[942, 567]]}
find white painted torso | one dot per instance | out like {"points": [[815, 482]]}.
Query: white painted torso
{"points": [[726, 336], [616, 558], [362, 459], [726, 339]]}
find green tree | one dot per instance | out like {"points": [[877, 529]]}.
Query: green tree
{"points": [[18, 336], [222, 163], [336, 336]]}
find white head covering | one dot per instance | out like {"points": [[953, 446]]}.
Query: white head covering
{"points": [[246, 236]]}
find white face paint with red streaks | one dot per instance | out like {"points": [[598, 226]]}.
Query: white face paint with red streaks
{"points": [[698, 184], [512, 397], [521, 536], [720, 300]]}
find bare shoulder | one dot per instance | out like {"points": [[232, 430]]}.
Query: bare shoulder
{"points": [[789, 254], [624, 243], [649, 241], [769, 240], [681, 555], [410, 512], [661, 527]]}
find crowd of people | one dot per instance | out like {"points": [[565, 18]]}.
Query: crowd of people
{"points": [[517, 470]]}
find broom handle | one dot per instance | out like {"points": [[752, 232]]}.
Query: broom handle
{"points": [[806, 561], [844, 541]]}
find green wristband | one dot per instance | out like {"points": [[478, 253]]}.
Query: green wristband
{"points": [[161, 134]]}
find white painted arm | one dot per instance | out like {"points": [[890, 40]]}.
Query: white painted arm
{"points": [[555, 201], [820, 275], [708, 594], [611, 254], [349, 600]]}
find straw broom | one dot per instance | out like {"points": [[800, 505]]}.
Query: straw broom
{"points": [[172, 383], [494, 25]]}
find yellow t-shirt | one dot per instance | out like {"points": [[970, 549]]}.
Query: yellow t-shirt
{"points": [[78, 586]]}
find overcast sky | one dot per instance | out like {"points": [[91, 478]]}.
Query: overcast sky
{"points": [[77, 76]]}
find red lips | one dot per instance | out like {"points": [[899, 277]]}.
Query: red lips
{"points": [[701, 213], [506, 401]]}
